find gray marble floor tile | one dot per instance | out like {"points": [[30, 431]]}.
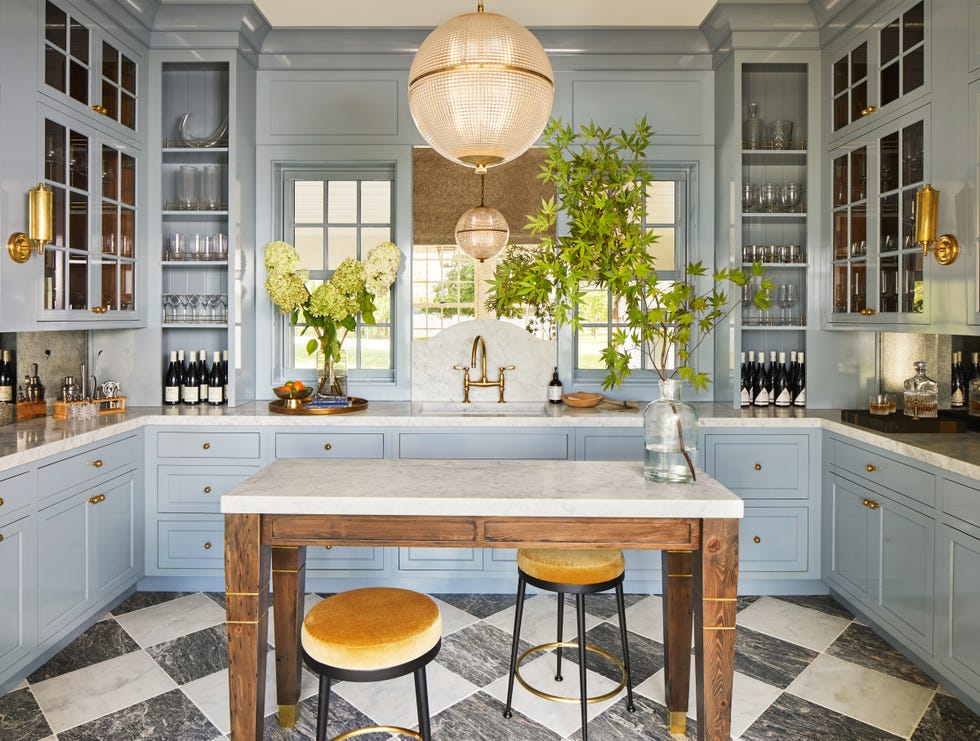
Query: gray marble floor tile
{"points": [[744, 601], [218, 598], [947, 719], [769, 659], [603, 605], [480, 717], [479, 653], [861, 645], [167, 717], [104, 640], [21, 717], [193, 656], [480, 605], [794, 718], [342, 717], [647, 723], [646, 655], [823, 602], [139, 600]]}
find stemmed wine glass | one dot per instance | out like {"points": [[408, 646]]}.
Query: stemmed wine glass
{"points": [[174, 300], [748, 303], [184, 299], [792, 297], [195, 302]]}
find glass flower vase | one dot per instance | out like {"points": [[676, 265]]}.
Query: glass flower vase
{"points": [[670, 437], [331, 375]]}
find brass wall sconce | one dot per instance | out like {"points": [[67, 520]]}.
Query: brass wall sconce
{"points": [[20, 245], [944, 247]]}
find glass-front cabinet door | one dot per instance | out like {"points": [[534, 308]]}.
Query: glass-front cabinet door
{"points": [[902, 55], [849, 78], [850, 225]]}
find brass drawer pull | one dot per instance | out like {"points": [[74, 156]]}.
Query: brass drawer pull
{"points": [[1, 501], [328, 547], [207, 489], [873, 505], [1, 538], [758, 466], [96, 499], [328, 446], [870, 468], [756, 539], [101, 109], [97, 463], [207, 546], [99, 309], [206, 446]]}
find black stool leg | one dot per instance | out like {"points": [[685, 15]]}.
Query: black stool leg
{"points": [[561, 625], [323, 708], [621, 606], [518, 612], [580, 614], [422, 702]]}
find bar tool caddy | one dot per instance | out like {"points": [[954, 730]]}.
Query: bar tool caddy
{"points": [[85, 398], [31, 403]]}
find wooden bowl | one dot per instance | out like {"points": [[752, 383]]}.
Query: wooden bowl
{"points": [[581, 400]]}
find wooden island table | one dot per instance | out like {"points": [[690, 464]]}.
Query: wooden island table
{"points": [[291, 504]]}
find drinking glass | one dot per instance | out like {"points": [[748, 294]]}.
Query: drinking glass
{"points": [[195, 302], [748, 196], [184, 300], [766, 197], [177, 248], [165, 303], [211, 197], [781, 134], [789, 196], [223, 301], [187, 188], [220, 246], [748, 303], [792, 298], [213, 308]]}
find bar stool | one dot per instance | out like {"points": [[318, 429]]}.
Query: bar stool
{"points": [[578, 572], [368, 635]]}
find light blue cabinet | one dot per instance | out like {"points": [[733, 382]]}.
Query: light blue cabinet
{"points": [[487, 444], [113, 532], [849, 535], [17, 627], [959, 605]]}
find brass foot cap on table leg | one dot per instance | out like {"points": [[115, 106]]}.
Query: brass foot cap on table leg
{"points": [[677, 723], [288, 715]]}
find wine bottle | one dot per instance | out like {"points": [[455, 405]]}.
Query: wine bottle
{"points": [[6, 378], [191, 390], [171, 382], [216, 394], [181, 366], [957, 389], [555, 388], [794, 366], [744, 385], [780, 384], [202, 375], [799, 388], [760, 396], [224, 376], [771, 377]]}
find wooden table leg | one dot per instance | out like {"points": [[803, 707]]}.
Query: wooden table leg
{"points": [[677, 607], [247, 598], [288, 590], [715, 592]]}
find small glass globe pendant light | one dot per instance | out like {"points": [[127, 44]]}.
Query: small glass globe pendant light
{"points": [[480, 89], [482, 231]]}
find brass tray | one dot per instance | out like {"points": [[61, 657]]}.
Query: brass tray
{"points": [[356, 405]]}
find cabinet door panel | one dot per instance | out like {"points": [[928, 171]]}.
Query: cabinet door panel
{"points": [[63, 564], [959, 605], [114, 538], [344, 558], [773, 539], [16, 582], [438, 559], [851, 539], [907, 570]]}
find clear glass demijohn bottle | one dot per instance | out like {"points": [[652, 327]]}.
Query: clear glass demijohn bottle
{"points": [[670, 436], [921, 394]]}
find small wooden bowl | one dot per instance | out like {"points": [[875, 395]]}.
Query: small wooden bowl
{"points": [[581, 400]]}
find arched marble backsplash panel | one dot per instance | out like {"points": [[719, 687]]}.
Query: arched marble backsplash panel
{"points": [[433, 377]]}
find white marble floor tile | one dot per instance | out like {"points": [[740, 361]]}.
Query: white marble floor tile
{"points": [[560, 717], [173, 619], [646, 618], [392, 702], [20, 686], [86, 694], [540, 620], [880, 700], [800, 625], [210, 693], [453, 618], [750, 697], [309, 601]]}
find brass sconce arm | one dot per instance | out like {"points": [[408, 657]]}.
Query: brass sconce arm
{"points": [[944, 247], [20, 245]]}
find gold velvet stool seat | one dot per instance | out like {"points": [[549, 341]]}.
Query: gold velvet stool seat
{"points": [[578, 572], [368, 635]]}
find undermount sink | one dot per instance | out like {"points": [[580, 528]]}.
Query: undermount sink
{"points": [[484, 409]]}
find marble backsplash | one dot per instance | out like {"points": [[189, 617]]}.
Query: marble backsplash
{"points": [[433, 377], [57, 354]]}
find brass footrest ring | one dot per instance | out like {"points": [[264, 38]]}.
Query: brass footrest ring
{"points": [[375, 729], [559, 698]]}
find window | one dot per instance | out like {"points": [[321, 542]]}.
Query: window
{"points": [[601, 312], [329, 215]]}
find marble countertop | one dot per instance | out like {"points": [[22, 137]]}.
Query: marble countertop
{"points": [[25, 442], [476, 489]]}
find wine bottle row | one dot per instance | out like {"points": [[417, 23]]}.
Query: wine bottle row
{"points": [[192, 382], [779, 384], [8, 374]]}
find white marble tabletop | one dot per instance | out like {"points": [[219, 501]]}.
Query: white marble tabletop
{"points": [[475, 489]]}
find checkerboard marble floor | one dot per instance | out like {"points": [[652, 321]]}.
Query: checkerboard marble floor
{"points": [[156, 668]]}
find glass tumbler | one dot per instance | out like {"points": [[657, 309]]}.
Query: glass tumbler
{"points": [[187, 188], [211, 196]]}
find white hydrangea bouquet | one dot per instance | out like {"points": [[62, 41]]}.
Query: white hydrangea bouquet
{"points": [[331, 309]]}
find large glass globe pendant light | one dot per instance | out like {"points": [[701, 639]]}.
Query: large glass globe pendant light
{"points": [[480, 89], [482, 231]]}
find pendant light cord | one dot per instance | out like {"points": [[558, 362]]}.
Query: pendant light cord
{"points": [[482, 184]]}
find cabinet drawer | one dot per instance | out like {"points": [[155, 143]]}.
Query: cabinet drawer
{"points": [[15, 494], [962, 502], [760, 466], [509, 445], [894, 475], [106, 460], [773, 539], [440, 559], [624, 447], [344, 558], [191, 544], [197, 488], [208, 444], [330, 445]]}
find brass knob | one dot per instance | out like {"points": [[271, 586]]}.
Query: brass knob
{"points": [[328, 547], [207, 489], [207, 546], [756, 539], [99, 309], [207, 446], [870, 468], [758, 466], [328, 446], [97, 463], [873, 505], [865, 502], [1, 501], [101, 109], [96, 499], [868, 312], [1, 538]]}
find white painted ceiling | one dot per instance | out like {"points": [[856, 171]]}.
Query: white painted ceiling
{"points": [[533, 13]]}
